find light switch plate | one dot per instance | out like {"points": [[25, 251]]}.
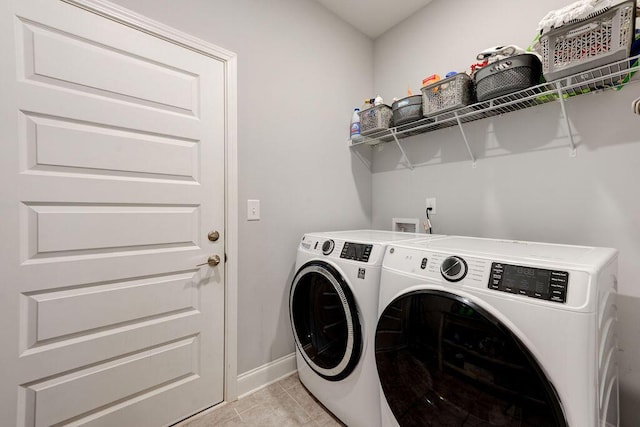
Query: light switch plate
{"points": [[253, 210]]}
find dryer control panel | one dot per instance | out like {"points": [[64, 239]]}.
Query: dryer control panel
{"points": [[356, 251], [533, 282]]}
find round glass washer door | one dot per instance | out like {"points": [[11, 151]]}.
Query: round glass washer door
{"points": [[325, 322], [444, 361]]}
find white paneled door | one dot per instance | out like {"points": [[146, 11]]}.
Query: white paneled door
{"points": [[111, 178]]}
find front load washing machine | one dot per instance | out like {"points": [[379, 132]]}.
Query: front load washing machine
{"points": [[333, 306], [480, 332]]}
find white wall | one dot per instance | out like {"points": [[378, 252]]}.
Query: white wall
{"points": [[525, 185], [300, 69]]}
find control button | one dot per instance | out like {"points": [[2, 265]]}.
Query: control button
{"points": [[367, 253], [423, 264], [537, 295], [327, 247], [495, 278], [453, 269], [558, 295]]}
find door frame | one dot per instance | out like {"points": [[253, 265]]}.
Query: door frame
{"points": [[229, 59]]}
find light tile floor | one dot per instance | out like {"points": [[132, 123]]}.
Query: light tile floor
{"points": [[282, 404]]}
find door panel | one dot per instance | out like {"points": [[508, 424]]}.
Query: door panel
{"points": [[80, 311], [58, 230], [61, 59], [106, 204], [58, 145], [109, 382]]}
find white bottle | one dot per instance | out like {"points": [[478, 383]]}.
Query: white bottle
{"points": [[355, 126]]}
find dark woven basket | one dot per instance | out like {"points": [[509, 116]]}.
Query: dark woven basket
{"points": [[407, 110], [507, 75]]}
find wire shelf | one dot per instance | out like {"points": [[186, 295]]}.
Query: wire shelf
{"points": [[609, 77]]}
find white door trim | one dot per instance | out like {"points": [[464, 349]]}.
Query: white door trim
{"points": [[229, 59]]}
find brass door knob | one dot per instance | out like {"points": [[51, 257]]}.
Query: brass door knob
{"points": [[213, 235], [213, 260]]}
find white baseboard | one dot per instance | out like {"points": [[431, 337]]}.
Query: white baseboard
{"points": [[264, 375]]}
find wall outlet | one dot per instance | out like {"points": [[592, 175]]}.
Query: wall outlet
{"points": [[253, 210], [431, 203]]}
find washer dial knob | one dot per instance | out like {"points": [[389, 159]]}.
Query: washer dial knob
{"points": [[327, 247], [453, 269]]}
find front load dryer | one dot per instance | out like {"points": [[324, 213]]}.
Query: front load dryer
{"points": [[481, 332], [333, 306]]}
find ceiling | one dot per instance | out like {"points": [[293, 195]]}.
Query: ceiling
{"points": [[373, 17]]}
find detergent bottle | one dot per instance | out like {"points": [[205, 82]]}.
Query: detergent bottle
{"points": [[355, 126]]}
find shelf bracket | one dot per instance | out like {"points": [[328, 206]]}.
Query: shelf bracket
{"points": [[464, 136], [363, 159], [572, 143], [404, 155]]}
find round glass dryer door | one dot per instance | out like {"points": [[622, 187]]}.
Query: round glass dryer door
{"points": [[443, 361], [325, 321]]}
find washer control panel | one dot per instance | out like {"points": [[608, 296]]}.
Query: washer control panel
{"points": [[533, 282]]}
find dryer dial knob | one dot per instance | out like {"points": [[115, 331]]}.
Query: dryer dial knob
{"points": [[453, 269], [327, 247]]}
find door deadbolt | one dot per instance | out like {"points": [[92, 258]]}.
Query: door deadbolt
{"points": [[213, 260], [213, 235]]}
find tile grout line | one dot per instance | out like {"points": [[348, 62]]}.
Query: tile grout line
{"points": [[303, 408], [298, 403], [238, 414]]}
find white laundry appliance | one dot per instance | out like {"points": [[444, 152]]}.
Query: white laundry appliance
{"points": [[481, 332], [333, 306]]}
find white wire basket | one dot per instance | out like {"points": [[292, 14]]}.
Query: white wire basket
{"points": [[600, 39]]}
